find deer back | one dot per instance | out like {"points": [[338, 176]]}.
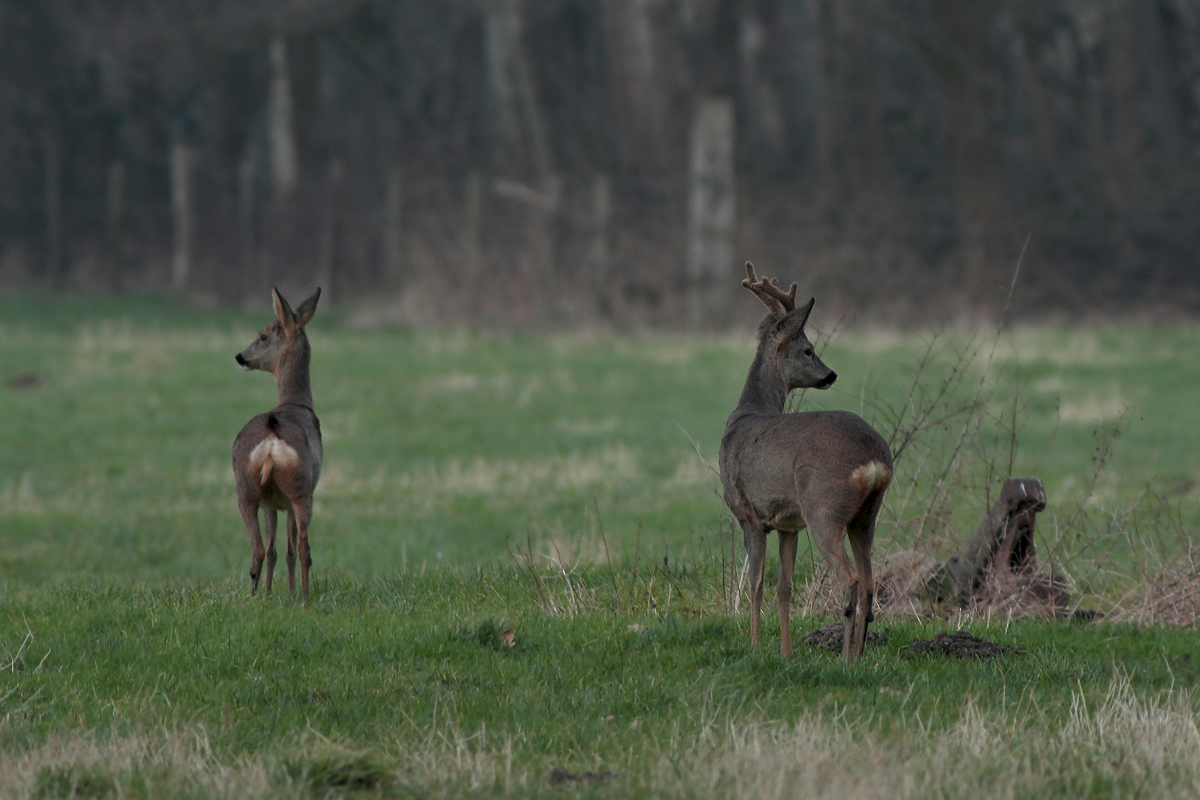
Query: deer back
{"points": [[775, 466]]}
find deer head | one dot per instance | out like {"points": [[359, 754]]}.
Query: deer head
{"points": [[782, 342], [281, 335]]}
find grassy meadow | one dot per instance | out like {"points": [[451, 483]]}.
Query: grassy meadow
{"points": [[558, 486]]}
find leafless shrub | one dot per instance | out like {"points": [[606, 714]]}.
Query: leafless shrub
{"points": [[955, 430], [1162, 586]]}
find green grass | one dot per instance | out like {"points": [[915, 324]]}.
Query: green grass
{"points": [[479, 482], [402, 684], [446, 447]]}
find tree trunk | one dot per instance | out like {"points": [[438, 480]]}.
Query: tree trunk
{"points": [[634, 81], [473, 241], [252, 280], [712, 213], [181, 212], [1125, 142], [114, 224], [280, 120], [851, 147], [600, 256], [980, 203], [327, 265], [52, 155], [522, 144], [393, 228]]}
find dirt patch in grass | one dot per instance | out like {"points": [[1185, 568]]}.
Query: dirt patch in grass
{"points": [[959, 644], [24, 380], [956, 644], [832, 635], [561, 776]]}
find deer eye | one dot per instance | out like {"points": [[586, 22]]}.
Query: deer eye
{"points": [[262, 337], [808, 351]]}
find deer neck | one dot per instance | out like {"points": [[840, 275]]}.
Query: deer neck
{"points": [[291, 376], [764, 392]]}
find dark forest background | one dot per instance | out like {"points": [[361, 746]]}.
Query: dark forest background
{"points": [[543, 162]]}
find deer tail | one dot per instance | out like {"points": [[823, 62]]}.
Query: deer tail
{"points": [[267, 465], [271, 452], [872, 475]]}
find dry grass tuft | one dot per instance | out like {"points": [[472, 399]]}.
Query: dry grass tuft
{"points": [[1168, 596], [177, 762], [1123, 745], [1129, 744]]}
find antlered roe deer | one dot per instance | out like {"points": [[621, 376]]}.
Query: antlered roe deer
{"points": [[277, 455], [824, 470]]}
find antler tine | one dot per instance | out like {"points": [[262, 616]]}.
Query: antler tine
{"points": [[750, 276], [777, 301]]}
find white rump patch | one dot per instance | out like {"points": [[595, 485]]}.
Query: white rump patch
{"points": [[269, 453], [275, 449], [872, 475]]}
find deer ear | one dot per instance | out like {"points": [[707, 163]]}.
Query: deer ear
{"points": [[283, 312], [792, 325], [804, 312], [304, 311]]}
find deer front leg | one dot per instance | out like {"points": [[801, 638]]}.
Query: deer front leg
{"points": [[755, 539], [787, 566], [249, 510], [272, 521]]}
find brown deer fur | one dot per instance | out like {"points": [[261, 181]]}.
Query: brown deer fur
{"points": [[277, 455], [824, 470]]}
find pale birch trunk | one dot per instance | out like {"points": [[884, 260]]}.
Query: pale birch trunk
{"points": [[280, 122], [712, 214]]}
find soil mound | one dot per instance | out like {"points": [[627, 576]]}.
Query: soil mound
{"points": [[560, 776], [832, 635], [958, 644]]}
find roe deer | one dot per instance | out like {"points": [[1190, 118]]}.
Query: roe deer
{"points": [[277, 455], [824, 470]]}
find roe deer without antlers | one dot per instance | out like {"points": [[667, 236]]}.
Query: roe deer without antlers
{"points": [[277, 455], [824, 470]]}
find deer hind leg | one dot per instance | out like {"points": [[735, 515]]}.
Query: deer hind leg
{"points": [[829, 540], [303, 516], [291, 551], [272, 519], [856, 634], [249, 509], [861, 532], [783, 592], [755, 539]]}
